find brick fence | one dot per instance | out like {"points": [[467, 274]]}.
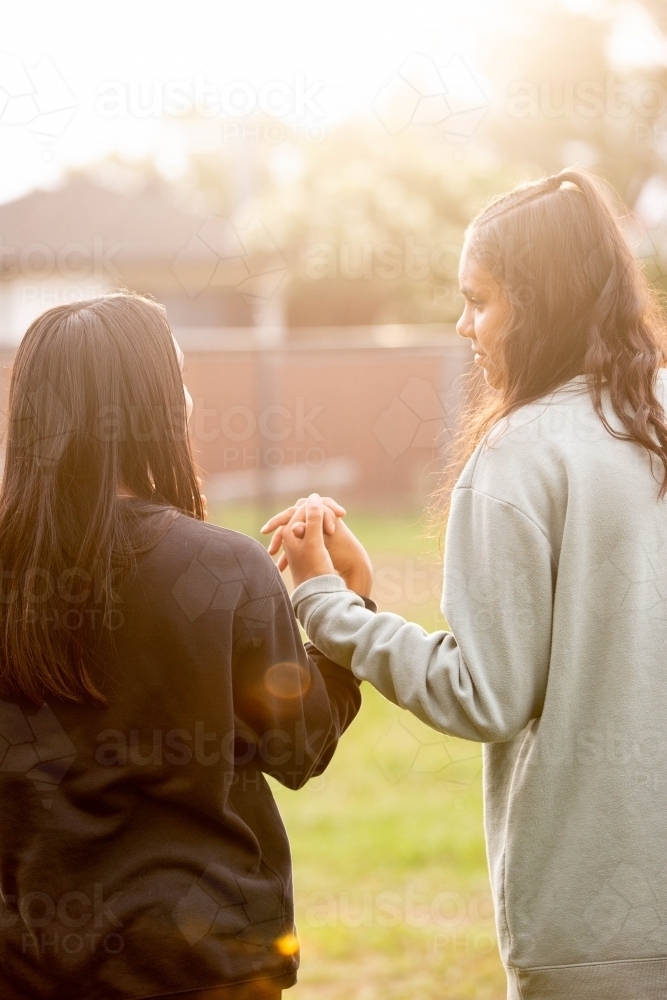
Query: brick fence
{"points": [[349, 413], [358, 417]]}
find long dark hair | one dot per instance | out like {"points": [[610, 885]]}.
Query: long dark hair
{"points": [[96, 401], [580, 304]]}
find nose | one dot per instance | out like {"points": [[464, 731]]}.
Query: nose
{"points": [[463, 325]]}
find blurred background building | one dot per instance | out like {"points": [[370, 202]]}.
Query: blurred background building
{"points": [[302, 221]]}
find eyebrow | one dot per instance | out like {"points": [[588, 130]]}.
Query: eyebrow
{"points": [[468, 292]]}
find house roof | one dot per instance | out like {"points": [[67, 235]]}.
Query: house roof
{"points": [[145, 224]]}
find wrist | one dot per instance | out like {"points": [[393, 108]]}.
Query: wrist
{"points": [[360, 582], [301, 577]]}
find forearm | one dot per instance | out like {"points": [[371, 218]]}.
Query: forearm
{"points": [[344, 693], [421, 672]]}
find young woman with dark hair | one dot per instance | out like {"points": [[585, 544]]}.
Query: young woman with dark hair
{"points": [[151, 675], [555, 594]]}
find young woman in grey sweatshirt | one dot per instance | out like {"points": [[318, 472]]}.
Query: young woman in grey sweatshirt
{"points": [[555, 592]]}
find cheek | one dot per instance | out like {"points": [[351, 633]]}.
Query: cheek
{"points": [[481, 328], [488, 326]]}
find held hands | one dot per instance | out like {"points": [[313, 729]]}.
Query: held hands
{"points": [[317, 541]]}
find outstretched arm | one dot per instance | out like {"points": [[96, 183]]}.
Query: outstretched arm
{"points": [[483, 680]]}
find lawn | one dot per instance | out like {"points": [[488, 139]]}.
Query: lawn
{"points": [[391, 886]]}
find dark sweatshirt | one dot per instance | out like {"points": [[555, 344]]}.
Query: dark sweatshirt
{"points": [[141, 849]]}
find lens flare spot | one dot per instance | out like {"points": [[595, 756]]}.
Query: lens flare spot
{"points": [[287, 680], [288, 944]]}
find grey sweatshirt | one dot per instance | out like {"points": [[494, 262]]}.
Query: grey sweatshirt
{"points": [[555, 591]]}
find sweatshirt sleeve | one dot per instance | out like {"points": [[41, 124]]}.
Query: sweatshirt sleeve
{"points": [[486, 678], [291, 703]]}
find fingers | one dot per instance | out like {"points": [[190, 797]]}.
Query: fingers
{"points": [[329, 516], [321, 511], [298, 530], [278, 520], [312, 512], [328, 502], [276, 542], [329, 521], [307, 556], [285, 516], [314, 518]]}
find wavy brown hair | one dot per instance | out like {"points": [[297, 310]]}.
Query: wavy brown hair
{"points": [[96, 402], [580, 304]]}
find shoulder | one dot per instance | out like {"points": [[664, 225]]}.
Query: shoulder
{"points": [[525, 460], [207, 567], [188, 532], [546, 451], [222, 550], [539, 433], [563, 422]]}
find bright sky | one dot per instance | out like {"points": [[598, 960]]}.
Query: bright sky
{"points": [[333, 57]]}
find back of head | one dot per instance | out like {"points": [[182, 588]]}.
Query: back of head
{"points": [[96, 401]]}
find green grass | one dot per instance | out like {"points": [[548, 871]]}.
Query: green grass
{"points": [[391, 885]]}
